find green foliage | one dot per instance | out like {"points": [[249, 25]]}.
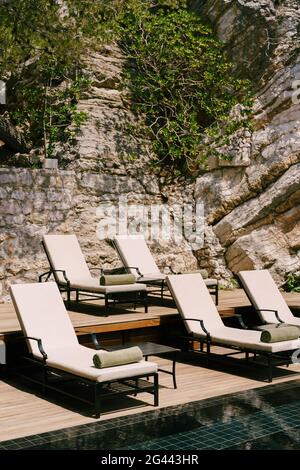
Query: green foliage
{"points": [[53, 33], [42, 46], [48, 112], [182, 82], [292, 283], [178, 75]]}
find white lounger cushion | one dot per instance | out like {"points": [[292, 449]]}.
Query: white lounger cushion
{"points": [[42, 314], [79, 361], [250, 339], [153, 277], [264, 294], [159, 277], [134, 252], [65, 253], [92, 285], [194, 301]]}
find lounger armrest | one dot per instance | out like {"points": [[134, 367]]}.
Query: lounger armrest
{"points": [[278, 317], [40, 345], [270, 310], [48, 274], [136, 268], [201, 324], [172, 271], [162, 266], [239, 316], [53, 271], [95, 340]]}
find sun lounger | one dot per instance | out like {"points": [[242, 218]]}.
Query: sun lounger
{"points": [[136, 256], [71, 273], [266, 298], [54, 348], [204, 324]]}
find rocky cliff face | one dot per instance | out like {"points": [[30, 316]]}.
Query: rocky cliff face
{"points": [[252, 210], [252, 204], [35, 202]]}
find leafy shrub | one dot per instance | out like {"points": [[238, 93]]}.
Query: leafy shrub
{"points": [[292, 283], [42, 46], [46, 112], [181, 81], [178, 75]]}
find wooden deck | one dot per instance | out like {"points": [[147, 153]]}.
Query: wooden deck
{"points": [[24, 412], [91, 314]]}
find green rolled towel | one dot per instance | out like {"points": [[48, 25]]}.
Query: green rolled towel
{"points": [[116, 279], [275, 335], [104, 359]]}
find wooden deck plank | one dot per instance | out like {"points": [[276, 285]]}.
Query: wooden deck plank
{"points": [[93, 313], [24, 413]]}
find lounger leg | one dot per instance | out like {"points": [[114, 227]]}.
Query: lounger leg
{"points": [[45, 377], [156, 397], [174, 372], [106, 305], [162, 292], [208, 350], [247, 356], [270, 367], [145, 302], [68, 298], [217, 294], [77, 296], [97, 400]]}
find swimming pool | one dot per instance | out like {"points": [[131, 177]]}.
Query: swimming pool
{"points": [[264, 418]]}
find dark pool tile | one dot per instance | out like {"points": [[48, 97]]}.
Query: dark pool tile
{"points": [[7, 447], [17, 446], [205, 445]]}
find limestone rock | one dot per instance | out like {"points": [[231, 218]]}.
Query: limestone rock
{"points": [[254, 211], [251, 204]]}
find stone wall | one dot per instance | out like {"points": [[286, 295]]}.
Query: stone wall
{"points": [[254, 211], [252, 206], [35, 202]]}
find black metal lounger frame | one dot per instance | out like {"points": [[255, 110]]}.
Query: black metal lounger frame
{"points": [[159, 286], [138, 297], [155, 286], [272, 358], [132, 388]]}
